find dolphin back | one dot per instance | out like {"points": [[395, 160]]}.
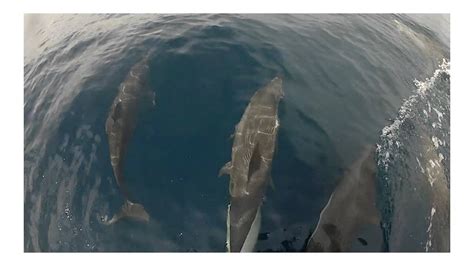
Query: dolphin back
{"points": [[250, 168], [120, 124], [350, 208]]}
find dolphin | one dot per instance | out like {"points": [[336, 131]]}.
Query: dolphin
{"points": [[350, 210], [252, 154], [119, 127], [438, 239], [428, 193]]}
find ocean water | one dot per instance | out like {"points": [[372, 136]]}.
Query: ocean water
{"points": [[349, 80]]}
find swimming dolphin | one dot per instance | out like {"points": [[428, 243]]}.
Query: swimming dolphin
{"points": [[351, 207], [252, 154], [119, 127], [438, 230], [427, 193]]}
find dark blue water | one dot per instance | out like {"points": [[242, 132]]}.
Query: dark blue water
{"points": [[346, 77]]}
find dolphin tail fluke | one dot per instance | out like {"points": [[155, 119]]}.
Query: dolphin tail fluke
{"points": [[132, 211]]}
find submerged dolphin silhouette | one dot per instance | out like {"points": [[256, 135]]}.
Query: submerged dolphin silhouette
{"points": [[252, 154], [350, 207], [119, 127]]}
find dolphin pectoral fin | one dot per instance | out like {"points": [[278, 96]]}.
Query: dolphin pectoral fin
{"points": [[149, 98], [153, 98], [225, 170], [272, 184], [114, 219], [374, 218], [370, 215], [130, 210]]}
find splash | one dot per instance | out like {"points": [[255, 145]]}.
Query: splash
{"points": [[428, 242], [390, 133], [413, 161]]}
